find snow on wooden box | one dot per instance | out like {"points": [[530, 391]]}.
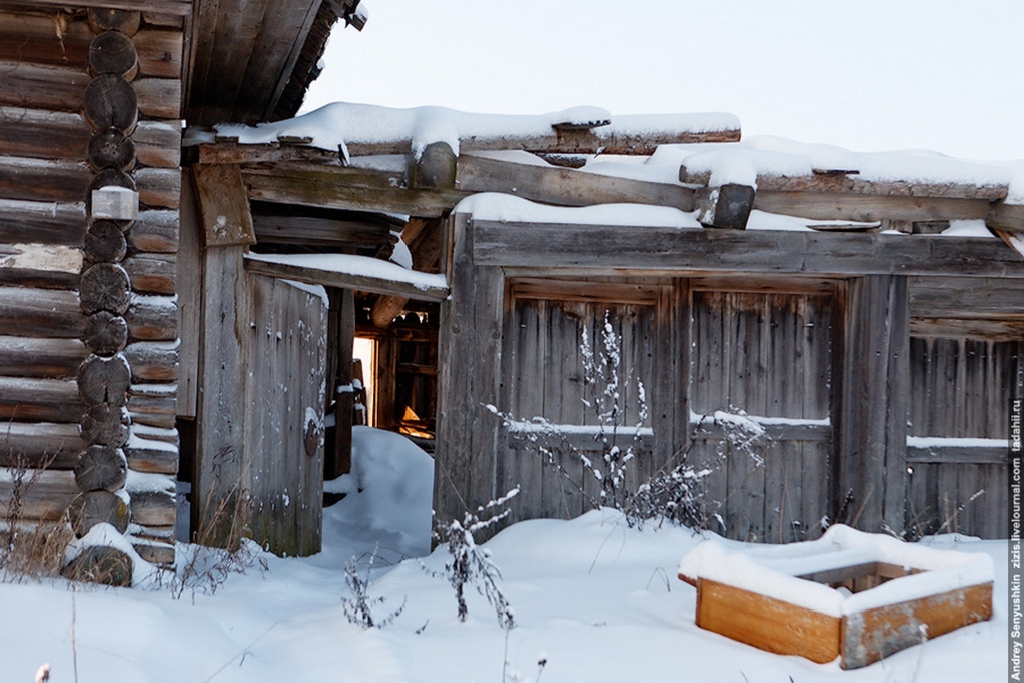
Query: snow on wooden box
{"points": [[860, 597]]}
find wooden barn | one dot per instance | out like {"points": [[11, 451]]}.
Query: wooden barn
{"points": [[180, 290]]}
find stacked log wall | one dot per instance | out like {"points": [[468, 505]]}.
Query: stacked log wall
{"points": [[88, 321]]}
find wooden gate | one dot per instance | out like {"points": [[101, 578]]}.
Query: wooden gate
{"points": [[545, 362], [959, 418], [768, 356], [284, 429]]}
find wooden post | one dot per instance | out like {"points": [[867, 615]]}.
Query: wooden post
{"points": [[339, 461], [468, 366], [872, 421]]}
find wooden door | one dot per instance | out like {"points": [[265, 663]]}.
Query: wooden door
{"points": [[958, 425], [766, 355], [287, 357], [545, 356]]}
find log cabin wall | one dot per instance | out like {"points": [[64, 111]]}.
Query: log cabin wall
{"points": [[884, 396], [89, 99]]}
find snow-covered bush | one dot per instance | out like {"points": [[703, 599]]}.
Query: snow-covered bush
{"points": [[471, 563]]}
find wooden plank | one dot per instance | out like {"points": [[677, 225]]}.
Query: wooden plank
{"points": [[189, 302], [829, 206], [565, 186], [331, 190], [339, 461], [35, 444], [872, 432], [232, 35], [223, 205], [221, 460], [957, 454], [874, 634], [40, 400], [966, 298], [365, 283], [318, 231], [27, 312], [994, 330], [673, 250], [175, 7], [843, 183], [41, 358], [285, 404], [1007, 217], [767, 623]]}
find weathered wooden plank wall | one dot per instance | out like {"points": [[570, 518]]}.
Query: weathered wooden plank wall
{"points": [[286, 403], [53, 154], [960, 389]]}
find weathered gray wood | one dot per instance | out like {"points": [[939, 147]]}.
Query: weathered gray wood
{"points": [[318, 231], [113, 52], [105, 424], [41, 180], [151, 456], [426, 257], [869, 208], [563, 186], [873, 423], [45, 498], [159, 187], [339, 461], [49, 445], [101, 468], [160, 53], [674, 250], [222, 462], [102, 564], [152, 318], [27, 312], [152, 273], [993, 330], [158, 143], [961, 297], [223, 205], [188, 300], [34, 357], [39, 400], [285, 405], [965, 455], [156, 232], [328, 278], [125, 21], [468, 433], [727, 206], [111, 147], [435, 168], [841, 182], [97, 507], [153, 361], [42, 87], [153, 508], [347, 188], [1008, 217], [42, 134], [111, 102], [104, 242], [104, 380], [105, 287], [42, 222]]}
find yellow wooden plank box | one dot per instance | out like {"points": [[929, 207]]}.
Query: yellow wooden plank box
{"points": [[849, 595]]}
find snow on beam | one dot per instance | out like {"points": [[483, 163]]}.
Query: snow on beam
{"points": [[351, 272]]}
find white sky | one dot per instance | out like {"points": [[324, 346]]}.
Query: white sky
{"points": [[868, 75]]}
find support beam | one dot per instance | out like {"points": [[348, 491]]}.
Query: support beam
{"points": [[872, 425], [340, 461], [426, 257]]}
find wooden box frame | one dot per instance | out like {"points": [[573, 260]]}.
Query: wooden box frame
{"points": [[858, 632]]}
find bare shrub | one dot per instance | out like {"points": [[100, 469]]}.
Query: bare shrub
{"points": [[359, 607], [30, 548], [471, 564]]}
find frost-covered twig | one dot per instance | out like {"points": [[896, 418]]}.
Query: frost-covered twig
{"points": [[359, 607]]}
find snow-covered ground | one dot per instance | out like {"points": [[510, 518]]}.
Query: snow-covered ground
{"points": [[594, 599]]}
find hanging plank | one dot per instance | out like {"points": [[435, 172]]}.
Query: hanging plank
{"points": [[223, 205]]}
